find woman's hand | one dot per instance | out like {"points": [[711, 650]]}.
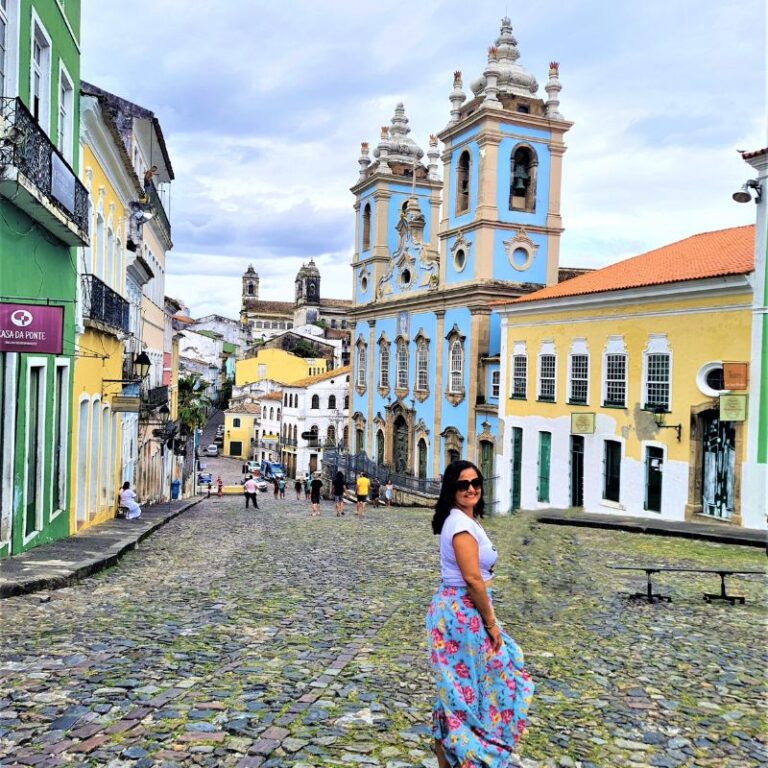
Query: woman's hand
{"points": [[495, 634]]}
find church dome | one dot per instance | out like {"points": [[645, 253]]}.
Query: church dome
{"points": [[511, 78], [311, 269], [400, 147]]}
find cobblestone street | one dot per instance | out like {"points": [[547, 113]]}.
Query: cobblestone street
{"points": [[269, 638]]}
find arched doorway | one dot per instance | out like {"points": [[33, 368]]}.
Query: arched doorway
{"points": [[380, 448], [486, 468], [400, 453], [422, 458]]}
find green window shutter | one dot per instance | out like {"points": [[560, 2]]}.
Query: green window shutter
{"points": [[545, 450]]}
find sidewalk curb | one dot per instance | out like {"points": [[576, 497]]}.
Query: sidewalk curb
{"points": [[91, 566], [653, 530]]}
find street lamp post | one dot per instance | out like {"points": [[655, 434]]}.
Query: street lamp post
{"points": [[167, 430]]}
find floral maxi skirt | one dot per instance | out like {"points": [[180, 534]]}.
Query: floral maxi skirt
{"points": [[482, 697]]}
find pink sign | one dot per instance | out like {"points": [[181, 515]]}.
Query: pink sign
{"points": [[31, 328]]}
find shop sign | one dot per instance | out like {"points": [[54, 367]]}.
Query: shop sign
{"points": [[125, 404], [733, 407], [31, 328], [735, 376], [582, 423]]}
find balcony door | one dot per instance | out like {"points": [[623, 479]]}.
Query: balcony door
{"points": [[40, 77]]}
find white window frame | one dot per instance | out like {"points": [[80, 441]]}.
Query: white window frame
{"points": [[384, 364], [42, 363], [362, 362], [40, 35], [658, 344], [66, 113], [422, 366], [495, 384], [614, 346], [578, 349], [519, 350], [547, 350], [456, 367], [60, 421], [401, 364], [4, 49]]}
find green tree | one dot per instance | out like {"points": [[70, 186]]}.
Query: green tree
{"points": [[193, 405]]}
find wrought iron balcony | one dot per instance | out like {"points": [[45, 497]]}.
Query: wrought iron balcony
{"points": [[158, 208], [156, 397], [104, 305], [36, 175]]}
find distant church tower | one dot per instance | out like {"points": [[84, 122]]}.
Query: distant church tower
{"points": [[431, 256], [307, 294]]}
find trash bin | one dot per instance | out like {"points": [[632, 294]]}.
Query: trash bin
{"points": [[175, 488]]}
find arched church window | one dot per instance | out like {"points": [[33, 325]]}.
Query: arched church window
{"points": [[522, 188], [402, 365], [367, 227], [346, 402], [422, 366], [456, 373], [384, 365], [315, 402], [462, 183]]}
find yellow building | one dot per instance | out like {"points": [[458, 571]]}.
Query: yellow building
{"points": [[277, 365], [240, 423], [626, 387], [103, 322]]}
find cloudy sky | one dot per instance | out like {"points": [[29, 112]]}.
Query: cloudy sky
{"points": [[264, 104]]}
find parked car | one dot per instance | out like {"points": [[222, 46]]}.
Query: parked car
{"points": [[204, 478], [272, 470], [251, 468], [219, 439], [212, 450], [262, 484]]}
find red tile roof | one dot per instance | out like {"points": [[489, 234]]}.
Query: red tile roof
{"points": [[332, 374], [756, 153], [709, 254]]}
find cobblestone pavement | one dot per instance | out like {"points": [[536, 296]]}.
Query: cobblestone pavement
{"points": [[234, 638]]}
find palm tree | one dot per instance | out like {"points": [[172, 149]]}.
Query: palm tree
{"points": [[193, 405]]}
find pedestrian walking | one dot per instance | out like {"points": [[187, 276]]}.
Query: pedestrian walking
{"points": [[388, 493], [275, 488], [307, 485], [219, 486], [483, 691], [337, 487], [210, 488], [373, 493], [281, 487], [128, 501], [315, 487], [250, 488], [361, 490], [298, 486]]}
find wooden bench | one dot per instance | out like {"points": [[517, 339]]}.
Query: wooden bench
{"points": [[652, 596]]}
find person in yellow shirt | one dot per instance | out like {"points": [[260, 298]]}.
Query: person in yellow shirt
{"points": [[361, 489]]}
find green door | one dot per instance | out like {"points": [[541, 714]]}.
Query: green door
{"points": [[516, 467], [401, 446], [486, 468], [380, 448], [545, 451], [422, 449], [236, 448]]}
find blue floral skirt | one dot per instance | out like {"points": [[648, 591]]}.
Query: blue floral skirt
{"points": [[482, 697]]}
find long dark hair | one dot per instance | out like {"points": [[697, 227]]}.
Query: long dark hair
{"points": [[447, 500]]}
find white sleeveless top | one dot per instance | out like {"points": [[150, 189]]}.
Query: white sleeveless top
{"points": [[458, 522]]}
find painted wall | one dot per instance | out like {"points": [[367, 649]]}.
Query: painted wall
{"points": [[698, 330], [279, 365], [241, 433]]}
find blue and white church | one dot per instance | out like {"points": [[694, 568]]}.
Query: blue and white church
{"points": [[432, 254]]}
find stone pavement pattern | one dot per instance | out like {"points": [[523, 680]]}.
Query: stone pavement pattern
{"points": [[275, 639]]}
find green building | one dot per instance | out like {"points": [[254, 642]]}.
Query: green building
{"points": [[43, 221]]}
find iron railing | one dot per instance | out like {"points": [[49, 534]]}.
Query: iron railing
{"points": [[157, 206], [156, 397], [24, 145], [104, 304]]}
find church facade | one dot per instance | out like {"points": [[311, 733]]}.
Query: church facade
{"points": [[432, 254], [262, 320]]}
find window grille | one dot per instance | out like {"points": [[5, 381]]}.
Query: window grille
{"points": [[384, 366], [657, 381], [422, 367], [615, 380], [495, 383], [547, 364], [402, 365], [456, 377], [579, 378], [519, 376], [361, 366]]}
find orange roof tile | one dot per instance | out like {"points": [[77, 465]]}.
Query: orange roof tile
{"points": [[709, 254], [756, 153], [321, 377], [272, 396]]}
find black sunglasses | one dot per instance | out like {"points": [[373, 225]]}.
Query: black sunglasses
{"points": [[463, 485]]}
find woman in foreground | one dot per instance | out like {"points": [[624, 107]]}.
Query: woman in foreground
{"points": [[483, 692]]}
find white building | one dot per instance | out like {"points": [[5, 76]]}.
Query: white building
{"points": [[317, 407], [229, 330], [268, 432]]}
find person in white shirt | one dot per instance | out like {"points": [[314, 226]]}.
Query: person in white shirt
{"points": [[250, 489], [129, 503], [474, 661]]}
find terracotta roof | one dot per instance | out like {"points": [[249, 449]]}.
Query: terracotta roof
{"points": [[272, 396], [281, 307], [709, 254], [756, 153], [321, 377], [245, 408]]}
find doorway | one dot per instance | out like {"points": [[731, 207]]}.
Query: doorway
{"points": [[486, 469], [718, 466], [422, 460], [380, 448], [516, 467], [401, 446], [577, 470], [236, 448], [654, 466]]}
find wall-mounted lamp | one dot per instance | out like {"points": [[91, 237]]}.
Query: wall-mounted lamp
{"points": [[164, 412], [744, 196], [659, 416]]}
